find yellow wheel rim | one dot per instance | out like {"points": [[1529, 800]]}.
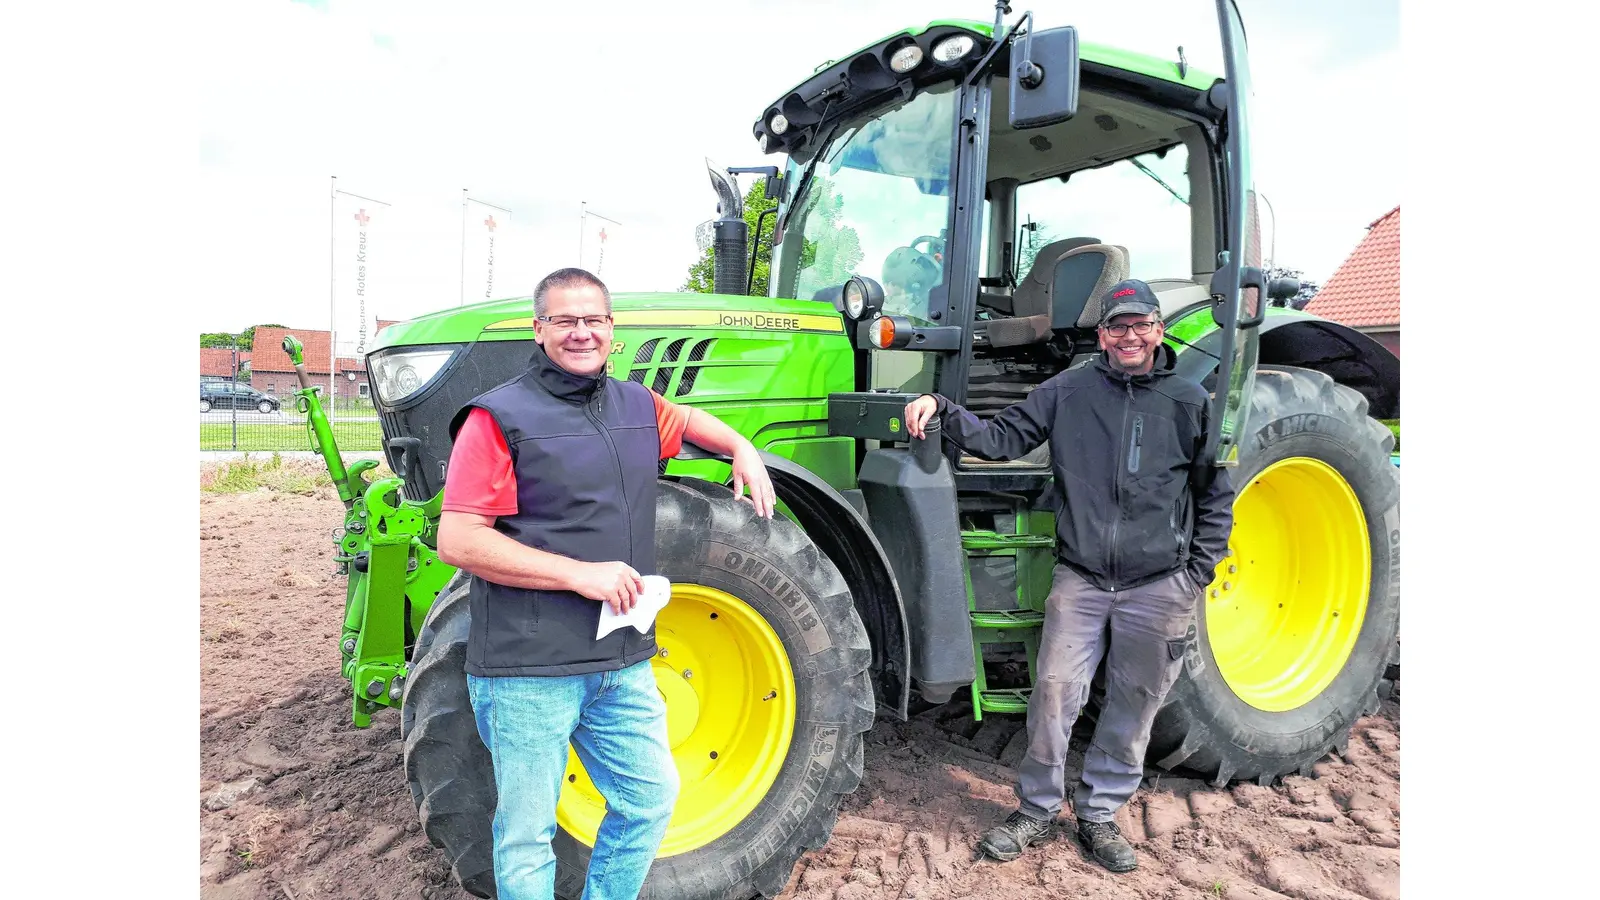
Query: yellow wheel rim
{"points": [[1286, 605], [730, 715]]}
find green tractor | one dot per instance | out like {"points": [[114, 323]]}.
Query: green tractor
{"points": [[954, 197]]}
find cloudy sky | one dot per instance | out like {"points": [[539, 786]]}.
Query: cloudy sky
{"points": [[619, 105]]}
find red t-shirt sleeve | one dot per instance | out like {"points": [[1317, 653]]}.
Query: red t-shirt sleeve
{"points": [[479, 478], [671, 420]]}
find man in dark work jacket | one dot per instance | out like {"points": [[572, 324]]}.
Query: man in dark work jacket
{"points": [[1144, 519], [549, 503]]}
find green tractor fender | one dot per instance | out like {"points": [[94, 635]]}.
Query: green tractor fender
{"points": [[1294, 338], [844, 537]]}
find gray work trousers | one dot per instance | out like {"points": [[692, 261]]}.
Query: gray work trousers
{"points": [[1142, 633]]}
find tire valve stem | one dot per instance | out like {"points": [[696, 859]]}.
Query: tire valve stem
{"points": [[770, 695]]}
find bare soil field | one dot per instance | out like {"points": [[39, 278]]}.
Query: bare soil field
{"points": [[295, 802]]}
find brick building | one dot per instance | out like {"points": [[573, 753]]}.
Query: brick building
{"points": [[1364, 292], [271, 370], [216, 363]]}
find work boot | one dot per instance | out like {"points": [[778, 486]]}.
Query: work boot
{"points": [[1107, 845], [1006, 842]]}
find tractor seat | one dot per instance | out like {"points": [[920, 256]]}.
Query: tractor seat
{"points": [[1062, 290]]}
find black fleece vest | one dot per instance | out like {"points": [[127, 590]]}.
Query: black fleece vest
{"points": [[585, 452]]}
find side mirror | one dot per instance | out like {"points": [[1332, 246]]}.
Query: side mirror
{"points": [[774, 185], [1044, 78]]}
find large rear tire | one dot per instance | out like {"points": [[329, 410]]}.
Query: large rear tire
{"points": [[1296, 631], [767, 696]]}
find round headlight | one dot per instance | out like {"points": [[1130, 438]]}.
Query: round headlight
{"points": [[906, 58], [855, 299], [407, 380], [761, 142], [952, 48], [779, 124]]}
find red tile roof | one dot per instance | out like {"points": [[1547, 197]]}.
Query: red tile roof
{"points": [[218, 361], [269, 355], [1365, 289]]}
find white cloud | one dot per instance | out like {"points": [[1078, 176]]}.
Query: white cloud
{"points": [[541, 109]]}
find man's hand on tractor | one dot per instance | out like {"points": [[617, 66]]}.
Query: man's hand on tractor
{"points": [[918, 412], [749, 471], [613, 583]]}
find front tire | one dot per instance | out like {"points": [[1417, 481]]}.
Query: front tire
{"points": [[1295, 632], [767, 695]]}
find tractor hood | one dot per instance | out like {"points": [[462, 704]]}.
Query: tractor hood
{"points": [[764, 366], [513, 318]]}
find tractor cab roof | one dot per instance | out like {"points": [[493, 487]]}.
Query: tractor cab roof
{"points": [[863, 78]]}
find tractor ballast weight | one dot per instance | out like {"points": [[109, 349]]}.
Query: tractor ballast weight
{"points": [[898, 566]]}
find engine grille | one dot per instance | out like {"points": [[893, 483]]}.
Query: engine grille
{"points": [[673, 374]]}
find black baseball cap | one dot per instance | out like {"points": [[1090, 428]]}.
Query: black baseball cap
{"points": [[1129, 297]]}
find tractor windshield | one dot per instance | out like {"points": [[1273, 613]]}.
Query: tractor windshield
{"points": [[876, 204]]}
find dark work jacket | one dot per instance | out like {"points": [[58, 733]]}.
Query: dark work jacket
{"points": [[585, 452], [1140, 500]]}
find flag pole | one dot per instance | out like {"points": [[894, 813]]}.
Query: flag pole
{"points": [[583, 224], [462, 284], [333, 269]]}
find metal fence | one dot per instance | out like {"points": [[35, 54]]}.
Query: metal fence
{"points": [[354, 421]]}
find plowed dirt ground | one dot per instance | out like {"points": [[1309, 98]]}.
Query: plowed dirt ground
{"points": [[295, 802]]}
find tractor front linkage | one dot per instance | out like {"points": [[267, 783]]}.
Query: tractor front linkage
{"points": [[386, 551]]}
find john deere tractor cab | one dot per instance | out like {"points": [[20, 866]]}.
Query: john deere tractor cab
{"points": [[953, 200]]}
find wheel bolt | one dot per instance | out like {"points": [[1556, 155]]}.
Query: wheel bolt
{"points": [[663, 652], [688, 673], [1227, 585], [1232, 569], [1213, 593]]}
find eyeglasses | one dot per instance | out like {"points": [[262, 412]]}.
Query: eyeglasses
{"points": [[567, 323], [1121, 330]]}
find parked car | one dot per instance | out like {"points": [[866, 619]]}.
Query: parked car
{"points": [[234, 395]]}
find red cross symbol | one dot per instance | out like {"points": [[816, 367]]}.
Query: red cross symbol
{"points": [[362, 217], [489, 222], [602, 235]]}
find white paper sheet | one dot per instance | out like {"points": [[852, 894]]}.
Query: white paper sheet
{"points": [[657, 591]]}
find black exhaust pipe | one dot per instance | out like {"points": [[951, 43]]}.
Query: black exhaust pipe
{"points": [[730, 235]]}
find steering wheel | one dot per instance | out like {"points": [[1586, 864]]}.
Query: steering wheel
{"points": [[935, 247], [909, 275]]}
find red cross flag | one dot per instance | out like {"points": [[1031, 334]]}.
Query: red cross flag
{"points": [[595, 252], [481, 246], [359, 268]]}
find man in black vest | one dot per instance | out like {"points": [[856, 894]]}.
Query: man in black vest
{"points": [[1144, 519], [550, 506]]}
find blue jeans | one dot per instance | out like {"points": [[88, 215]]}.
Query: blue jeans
{"points": [[617, 723]]}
